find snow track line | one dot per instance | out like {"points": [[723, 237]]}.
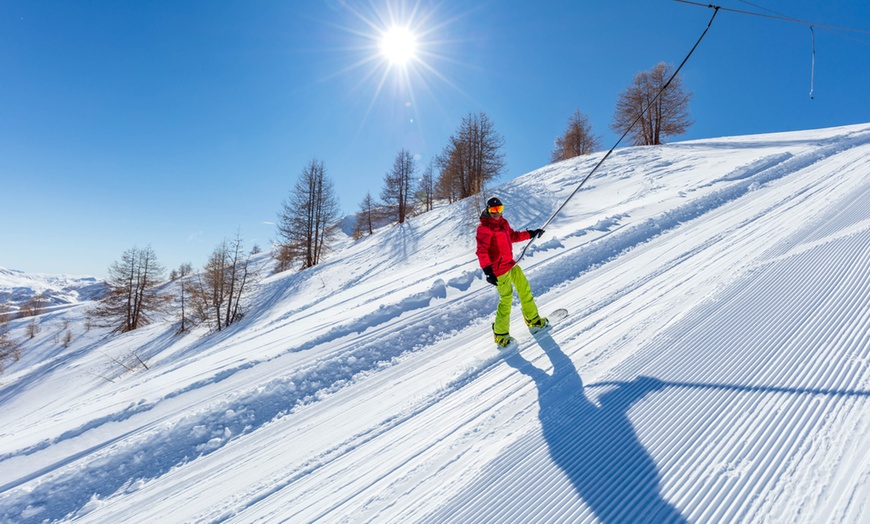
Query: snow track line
{"points": [[601, 250], [807, 410], [605, 250]]}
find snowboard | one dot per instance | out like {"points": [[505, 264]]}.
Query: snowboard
{"points": [[557, 315], [553, 317]]}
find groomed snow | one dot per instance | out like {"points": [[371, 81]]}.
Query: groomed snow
{"points": [[715, 365]]}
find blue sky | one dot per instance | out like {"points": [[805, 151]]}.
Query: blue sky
{"points": [[179, 123]]}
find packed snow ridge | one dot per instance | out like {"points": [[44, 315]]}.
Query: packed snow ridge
{"points": [[714, 367]]}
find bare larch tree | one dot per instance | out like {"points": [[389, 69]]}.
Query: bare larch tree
{"points": [[181, 276], [367, 216], [133, 293], [472, 157], [223, 284], [577, 140], [426, 189], [396, 193], [308, 218], [658, 118]]}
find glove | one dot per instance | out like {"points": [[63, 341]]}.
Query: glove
{"points": [[534, 233], [490, 275]]}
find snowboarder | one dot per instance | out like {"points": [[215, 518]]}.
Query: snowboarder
{"points": [[495, 240]]}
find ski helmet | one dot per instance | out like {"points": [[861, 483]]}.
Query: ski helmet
{"points": [[493, 202]]}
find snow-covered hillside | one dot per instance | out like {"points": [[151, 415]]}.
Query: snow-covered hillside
{"points": [[715, 366]]}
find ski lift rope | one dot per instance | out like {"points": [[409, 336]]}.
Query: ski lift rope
{"points": [[776, 16], [813, 66], [636, 120], [716, 8], [786, 18]]}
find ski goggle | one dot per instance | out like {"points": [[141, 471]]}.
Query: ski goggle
{"points": [[496, 209]]}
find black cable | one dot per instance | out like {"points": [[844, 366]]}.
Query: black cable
{"points": [[636, 120], [783, 18], [813, 69]]}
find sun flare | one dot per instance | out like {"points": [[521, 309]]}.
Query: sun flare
{"points": [[400, 49], [399, 45]]}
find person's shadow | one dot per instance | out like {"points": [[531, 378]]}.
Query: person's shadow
{"points": [[596, 445]]}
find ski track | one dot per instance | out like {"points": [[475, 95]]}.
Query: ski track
{"points": [[629, 462], [740, 469]]}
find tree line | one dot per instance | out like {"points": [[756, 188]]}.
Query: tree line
{"points": [[473, 154], [138, 287], [307, 221]]}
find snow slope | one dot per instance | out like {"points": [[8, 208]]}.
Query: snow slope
{"points": [[715, 366]]}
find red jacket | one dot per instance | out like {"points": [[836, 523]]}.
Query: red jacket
{"points": [[494, 244]]}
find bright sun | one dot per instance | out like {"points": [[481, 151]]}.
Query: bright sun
{"points": [[399, 45]]}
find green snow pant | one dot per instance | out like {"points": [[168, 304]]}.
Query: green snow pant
{"points": [[506, 283]]}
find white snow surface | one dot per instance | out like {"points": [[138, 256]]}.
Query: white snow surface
{"points": [[714, 367]]}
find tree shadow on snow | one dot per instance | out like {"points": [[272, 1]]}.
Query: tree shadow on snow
{"points": [[596, 445]]}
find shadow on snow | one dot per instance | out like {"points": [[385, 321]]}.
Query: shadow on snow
{"points": [[596, 445]]}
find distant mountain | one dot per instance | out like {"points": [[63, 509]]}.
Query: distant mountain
{"points": [[17, 287]]}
